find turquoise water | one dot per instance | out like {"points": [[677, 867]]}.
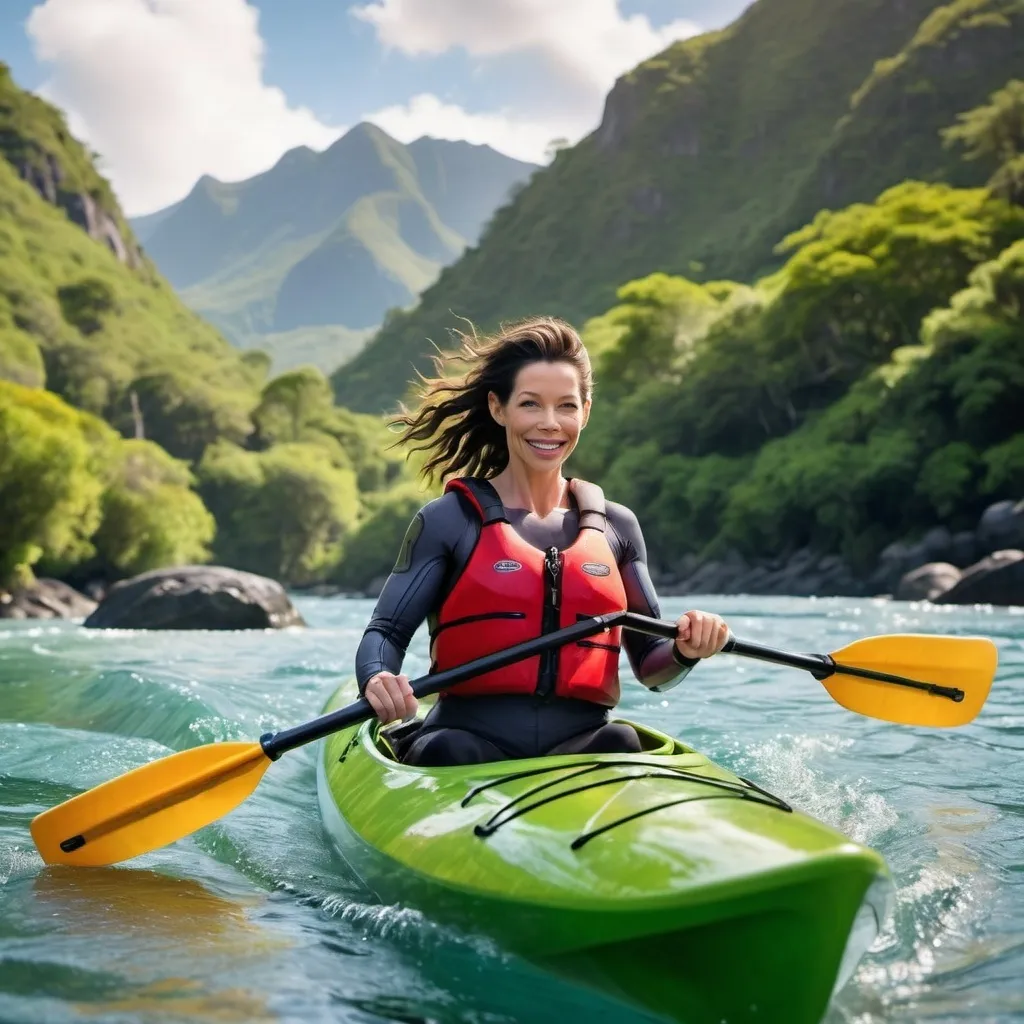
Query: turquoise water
{"points": [[255, 919]]}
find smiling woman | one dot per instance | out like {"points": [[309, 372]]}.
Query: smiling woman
{"points": [[511, 551]]}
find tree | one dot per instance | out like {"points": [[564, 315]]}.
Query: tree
{"points": [[151, 517], [995, 132], [290, 402], [49, 485], [284, 512]]}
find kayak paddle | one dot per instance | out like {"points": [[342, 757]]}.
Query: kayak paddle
{"points": [[910, 679]]}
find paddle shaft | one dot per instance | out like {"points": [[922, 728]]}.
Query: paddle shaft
{"points": [[821, 666], [276, 744]]}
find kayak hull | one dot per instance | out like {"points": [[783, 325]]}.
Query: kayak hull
{"points": [[659, 878]]}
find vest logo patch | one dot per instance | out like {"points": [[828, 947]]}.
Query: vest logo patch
{"points": [[507, 565], [596, 569]]}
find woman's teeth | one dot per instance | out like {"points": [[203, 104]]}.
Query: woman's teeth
{"points": [[546, 446]]}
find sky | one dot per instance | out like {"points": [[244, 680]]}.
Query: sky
{"points": [[166, 91]]}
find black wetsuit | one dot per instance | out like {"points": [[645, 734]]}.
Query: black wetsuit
{"points": [[460, 730]]}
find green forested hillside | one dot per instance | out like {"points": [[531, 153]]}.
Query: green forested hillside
{"points": [[871, 389], [710, 153], [132, 434], [330, 239], [865, 386], [96, 331]]}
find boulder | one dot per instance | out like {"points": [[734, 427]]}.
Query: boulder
{"points": [[45, 599], [195, 597], [963, 551], [926, 582], [996, 579], [1001, 527], [935, 545]]}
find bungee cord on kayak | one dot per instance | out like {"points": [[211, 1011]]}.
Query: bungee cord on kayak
{"points": [[520, 804]]}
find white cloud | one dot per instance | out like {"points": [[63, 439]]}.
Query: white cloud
{"points": [[587, 43], [517, 136], [168, 90]]}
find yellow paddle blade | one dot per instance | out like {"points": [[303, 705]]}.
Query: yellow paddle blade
{"points": [[968, 663], [150, 806]]}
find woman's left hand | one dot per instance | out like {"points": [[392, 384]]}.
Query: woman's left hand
{"points": [[700, 634]]}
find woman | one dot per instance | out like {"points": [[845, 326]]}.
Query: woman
{"points": [[512, 550]]}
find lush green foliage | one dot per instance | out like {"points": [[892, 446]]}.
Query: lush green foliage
{"points": [[150, 515], [32, 133], [284, 512], [113, 340], [869, 389], [711, 152], [50, 488], [995, 133], [74, 493], [104, 331], [372, 549]]}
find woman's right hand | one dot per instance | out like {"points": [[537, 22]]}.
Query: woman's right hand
{"points": [[391, 696]]}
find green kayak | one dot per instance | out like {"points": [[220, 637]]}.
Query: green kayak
{"points": [[660, 878]]}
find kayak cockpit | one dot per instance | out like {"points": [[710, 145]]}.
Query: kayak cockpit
{"points": [[392, 740]]}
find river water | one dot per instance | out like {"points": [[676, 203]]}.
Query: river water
{"points": [[255, 919]]}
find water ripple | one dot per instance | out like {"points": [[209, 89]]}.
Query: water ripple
{"points": [[256, 918]]}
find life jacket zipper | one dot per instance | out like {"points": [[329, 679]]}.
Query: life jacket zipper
{"points": [[547, 677]]}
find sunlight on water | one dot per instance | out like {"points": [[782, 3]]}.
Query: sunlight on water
{"points": [[257, 918]]}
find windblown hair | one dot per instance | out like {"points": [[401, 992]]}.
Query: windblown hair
{"points": [[454, 424]]}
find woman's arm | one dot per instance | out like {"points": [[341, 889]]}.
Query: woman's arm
{"points": [[415, 587], [656, 662]]}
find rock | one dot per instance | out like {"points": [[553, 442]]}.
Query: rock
{"points": [[45, 599], [996, 579], [902, 557], [926, 582], [195, 597], [46, 175], [705, 580], [963, 550], [936, 544], [753, 582], [1001, 527]]}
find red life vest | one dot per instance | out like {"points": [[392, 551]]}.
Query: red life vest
{"points": [[509, 591]]}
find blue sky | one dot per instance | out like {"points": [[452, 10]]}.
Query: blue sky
{"points": [[167, 90]]}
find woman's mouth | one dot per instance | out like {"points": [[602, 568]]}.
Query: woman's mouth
{"points": [[548, 447]]}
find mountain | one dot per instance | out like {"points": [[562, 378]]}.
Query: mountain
{"points": [[327, 240], [708, 154], [83, 311]]}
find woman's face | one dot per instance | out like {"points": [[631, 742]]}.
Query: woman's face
{"points": [[544, 414]]}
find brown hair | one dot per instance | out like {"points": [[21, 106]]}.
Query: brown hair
{"points": [[454, 422]]}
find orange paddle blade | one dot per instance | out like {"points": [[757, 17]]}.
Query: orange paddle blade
{"points": [[149, 806], [967, 663]]}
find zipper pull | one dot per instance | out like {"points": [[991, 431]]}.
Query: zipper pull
{"points": [[554, 566]]}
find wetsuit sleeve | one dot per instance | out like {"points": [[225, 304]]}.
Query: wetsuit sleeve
{"points": [[655, 661], [415, 587]]}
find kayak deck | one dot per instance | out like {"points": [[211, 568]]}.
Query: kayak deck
{"points": [[659, 877]]}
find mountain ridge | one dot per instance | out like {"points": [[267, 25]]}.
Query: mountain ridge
{"points": [[706, 156], [276, 252]]}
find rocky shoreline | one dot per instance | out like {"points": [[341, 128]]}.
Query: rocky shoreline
{"points": [[980, 566]]}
